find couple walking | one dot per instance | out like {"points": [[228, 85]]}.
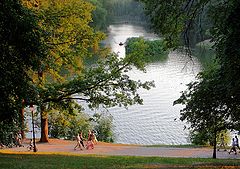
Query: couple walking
{"points": [[90, 141]]}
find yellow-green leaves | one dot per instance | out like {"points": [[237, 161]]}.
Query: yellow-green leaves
{"points": [[68, 36]]}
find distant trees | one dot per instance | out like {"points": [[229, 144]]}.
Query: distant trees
{"points": [[101, 18], [110, 11]]}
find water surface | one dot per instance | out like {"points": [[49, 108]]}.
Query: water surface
{"points": [[154, 122]]}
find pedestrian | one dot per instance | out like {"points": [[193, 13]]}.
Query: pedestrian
{"points": [[30, 146], [81, 139], [94, 137], [222, 143], [236, 142], [18, 140], [233, 148], [78, 142], [90, 140]]}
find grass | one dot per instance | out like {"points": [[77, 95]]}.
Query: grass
{"points": [[58, 161]]}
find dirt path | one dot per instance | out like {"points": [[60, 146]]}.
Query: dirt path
{"points": [[62, 146]]}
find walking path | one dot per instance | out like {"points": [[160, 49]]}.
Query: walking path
{"points": [[62, 146]]}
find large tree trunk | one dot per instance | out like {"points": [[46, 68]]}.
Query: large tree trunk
{"points": [[44, 126], [22, 121], [215, 145]]}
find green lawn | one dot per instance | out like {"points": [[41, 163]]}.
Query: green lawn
{"points": [[37, 161]]}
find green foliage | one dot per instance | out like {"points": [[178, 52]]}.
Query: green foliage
{"points": [[128, 10], [226, 35], [100, 15], [204, 108], [103, 127], [180, 21], [205, 54], [203, 104], [107, 12], [200, 138], [107, 84], [203, 137], [153, 50], [65, 125], [216, 90], [8, 132], [21, 50], [68, 36], [42, 61], [212, 103]]}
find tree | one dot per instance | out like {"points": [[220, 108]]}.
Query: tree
{"points": [[69, 38], [21, 50], [182, 22], [66, 125], [106, 85], [103, 127], [218, 93], [205, 110]]}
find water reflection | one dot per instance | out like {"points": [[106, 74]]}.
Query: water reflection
{"points": [[119, 34]]}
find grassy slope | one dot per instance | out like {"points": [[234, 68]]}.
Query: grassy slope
{"points": [[48, 161]]}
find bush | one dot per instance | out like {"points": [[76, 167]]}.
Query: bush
{"points": [[8, 132], [206, 138], [65, 125], [103, 127]]}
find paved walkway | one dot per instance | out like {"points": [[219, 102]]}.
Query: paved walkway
{"points": [[61, 146]]}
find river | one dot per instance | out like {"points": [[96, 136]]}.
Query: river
{"points": [[157, 120]]}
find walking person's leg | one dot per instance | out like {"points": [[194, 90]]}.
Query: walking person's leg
{"points": [[78, 145], [231, 150], [88, 144], [82, 143], [235, 150]]}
